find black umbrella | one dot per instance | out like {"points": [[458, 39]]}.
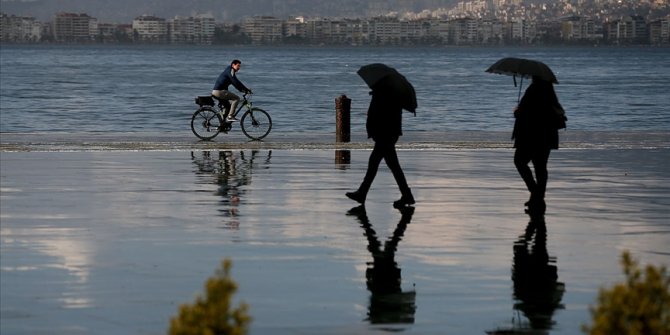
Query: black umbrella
{"points": [[524, 68], [374, 74]]}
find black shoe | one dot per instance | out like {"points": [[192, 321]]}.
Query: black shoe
{"points": [[356, 196], [536, 207], [404, 201]]}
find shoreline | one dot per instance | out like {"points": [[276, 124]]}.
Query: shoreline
{"points": [[183, 140]]}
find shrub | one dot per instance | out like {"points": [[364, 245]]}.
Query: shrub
{"points": [[212, 314], [640, 305]]}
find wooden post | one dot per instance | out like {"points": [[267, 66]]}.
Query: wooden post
{"points": [[342, 119]]}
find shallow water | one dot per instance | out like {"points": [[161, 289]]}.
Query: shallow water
{"points": [[100, 242], [151, 88]]}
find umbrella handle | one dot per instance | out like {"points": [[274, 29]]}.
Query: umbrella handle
{"points": [[518, 99]]}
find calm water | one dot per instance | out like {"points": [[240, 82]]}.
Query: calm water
{"points": [[140, 88]]}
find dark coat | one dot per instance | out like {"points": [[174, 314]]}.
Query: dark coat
{"points": [[226, 78], [384, 120], [535, 124]]}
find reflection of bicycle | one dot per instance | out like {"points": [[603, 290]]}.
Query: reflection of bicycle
{"points": [[208, 121]]}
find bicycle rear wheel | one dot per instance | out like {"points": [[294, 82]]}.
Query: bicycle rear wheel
{"points": [[206, 123], [256, 123]]}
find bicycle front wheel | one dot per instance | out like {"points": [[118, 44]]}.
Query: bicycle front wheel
{"points": [[256, 123], [206, 123]]}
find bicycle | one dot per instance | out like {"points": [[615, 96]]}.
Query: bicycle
{"points": [[208, 121]]}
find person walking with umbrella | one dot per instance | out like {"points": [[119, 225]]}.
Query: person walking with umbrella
{"points": [[391, 92], [538, 116], [535, 134]]}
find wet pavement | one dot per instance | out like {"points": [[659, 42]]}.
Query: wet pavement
{"points": [[112, 242]]}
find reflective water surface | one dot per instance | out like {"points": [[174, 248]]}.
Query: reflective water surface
{"points": [[111, 242]]}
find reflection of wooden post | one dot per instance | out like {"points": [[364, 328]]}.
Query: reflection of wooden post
{"points": [[342, 123], [342, 157]]}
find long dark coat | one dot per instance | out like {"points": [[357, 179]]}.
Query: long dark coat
{"points": [[535, 126], [384, 120]]}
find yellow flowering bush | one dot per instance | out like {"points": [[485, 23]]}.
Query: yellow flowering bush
{"points": [[638, 306], [213, 314]]}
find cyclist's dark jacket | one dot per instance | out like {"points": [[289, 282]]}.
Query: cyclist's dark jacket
{"points": [[226, 78]]}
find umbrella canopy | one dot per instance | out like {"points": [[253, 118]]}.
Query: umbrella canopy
{"points": [[524, 68], [374, 74]]}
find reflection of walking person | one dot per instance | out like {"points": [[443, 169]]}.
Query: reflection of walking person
{"points": [[388, 302], [384, 126], [535, 134], [535, 277]]}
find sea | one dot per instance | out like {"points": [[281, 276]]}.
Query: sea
{"points": [[143, 88]]}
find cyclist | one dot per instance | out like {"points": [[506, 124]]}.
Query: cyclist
{"points": [[226, 78]]}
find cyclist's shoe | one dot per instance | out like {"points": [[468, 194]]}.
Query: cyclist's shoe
{"points": [[231, 118]]}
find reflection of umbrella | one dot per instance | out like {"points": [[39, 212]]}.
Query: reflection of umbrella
{"points": [[377, 73], [524, 68]]}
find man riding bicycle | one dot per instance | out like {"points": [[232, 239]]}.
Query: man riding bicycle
{"points": [[226, 78]]}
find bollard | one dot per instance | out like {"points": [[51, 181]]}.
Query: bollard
{"points": [[342, 116]]}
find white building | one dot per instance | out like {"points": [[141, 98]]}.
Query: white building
{"points": [[148, 28], [659, 31], [264, 29], [74, 28], [19, 29]]}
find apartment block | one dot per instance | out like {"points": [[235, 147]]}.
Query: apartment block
{"points": [[19, 29], [150, 29], [627, 30], [191, 30], [264, 29], [659, 32], [74, 28]]}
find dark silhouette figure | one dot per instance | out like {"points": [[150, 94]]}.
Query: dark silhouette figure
{"points": [[535, 135], [388, 303], [384, 126], [535, 277]]}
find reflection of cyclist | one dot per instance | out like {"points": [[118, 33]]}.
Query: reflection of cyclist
{"points": [[226, 78]]}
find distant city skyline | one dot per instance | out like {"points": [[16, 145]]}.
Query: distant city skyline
{"points": [[488, 22], [120, 11], [222, 10]]}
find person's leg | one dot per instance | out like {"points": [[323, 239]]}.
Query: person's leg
{"points": [[376, 157], [540, 159], [233, 98], [391, 158], [521, 159], [373, 165]]}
